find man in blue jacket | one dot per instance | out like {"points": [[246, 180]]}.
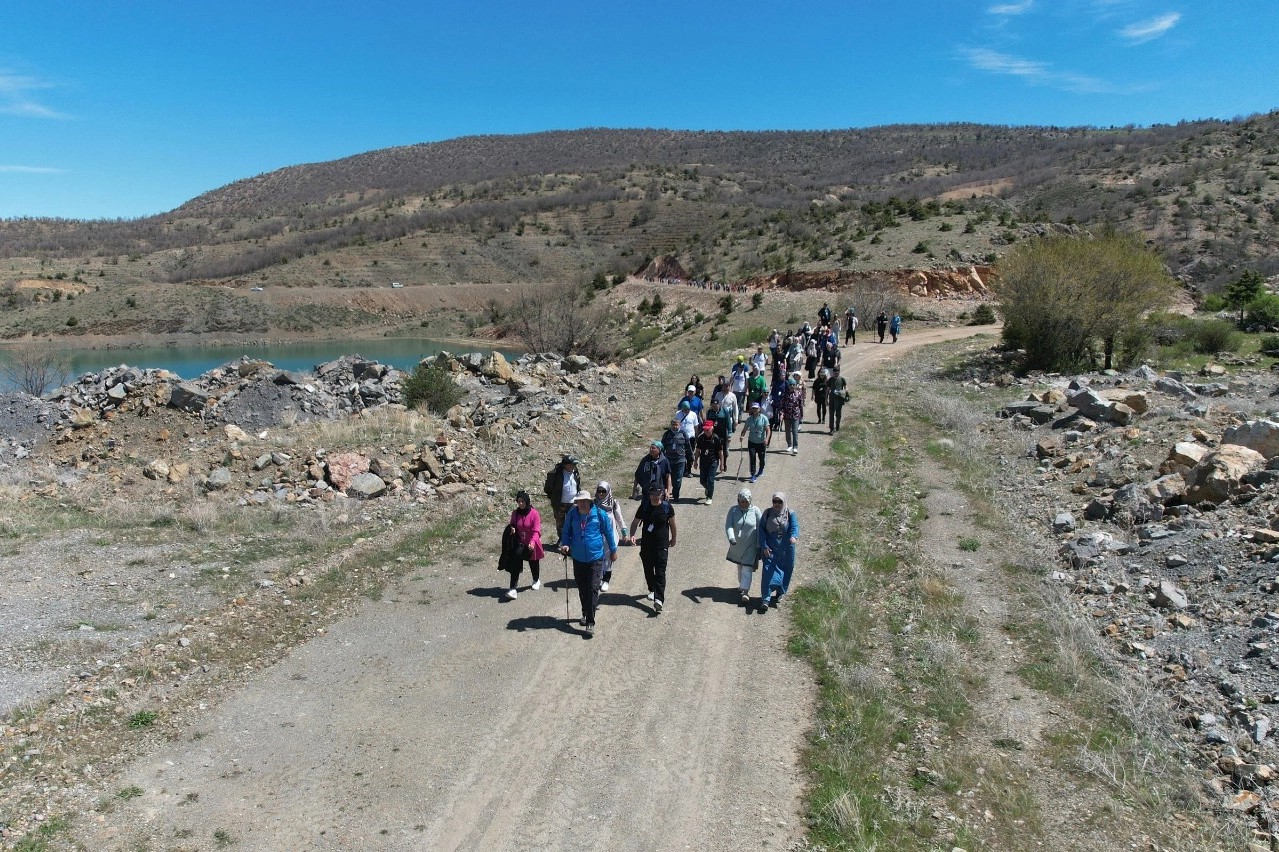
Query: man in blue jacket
{"points": [[588, 535]]}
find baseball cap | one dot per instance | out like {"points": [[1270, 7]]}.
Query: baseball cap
{"points": [[692, 388]]}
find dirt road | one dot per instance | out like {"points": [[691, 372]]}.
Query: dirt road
{"points": [[443, 717]]}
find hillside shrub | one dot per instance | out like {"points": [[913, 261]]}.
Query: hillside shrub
{"points": [[1213, 336], [1212, 303], [1264, 312], [984, 315], [1269, 345], [432, 387]]}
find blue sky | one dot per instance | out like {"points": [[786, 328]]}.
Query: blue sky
{"points": [[120, 109]]}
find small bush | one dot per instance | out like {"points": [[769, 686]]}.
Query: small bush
{"points": [[1215, 336], [1213, 303], [726, 305], [984, 315], [432, 387], [143, 719], [72, 322], [1269, 345], [757, 299], [1264, 311], [921, 247]]}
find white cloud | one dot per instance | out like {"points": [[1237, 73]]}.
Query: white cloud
{"points": [[1011, 8], [1035, 72], [1143, 31], [16, 97], [31, 170]]}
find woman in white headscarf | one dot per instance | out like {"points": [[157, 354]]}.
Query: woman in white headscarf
{"points": [[609, 506], [742, 529], [779, 531]]}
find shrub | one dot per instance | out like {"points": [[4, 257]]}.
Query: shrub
{"points": [[984, 315], [433, 387], [726, 304], [757, 299], [1269, 345], [921, 247], [1214, 336], [72, 322], [1264, 311], [1212, 303]]}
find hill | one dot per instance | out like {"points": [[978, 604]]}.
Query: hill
{"points": [[564, 206]]}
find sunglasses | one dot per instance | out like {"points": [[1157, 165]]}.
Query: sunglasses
{"points": [[777, 502]]}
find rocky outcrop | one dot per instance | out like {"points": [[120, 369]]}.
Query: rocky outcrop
{"points": [[664, 268], [965, 282]]}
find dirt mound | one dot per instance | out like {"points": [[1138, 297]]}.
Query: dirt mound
{"points": [[661, 268]]}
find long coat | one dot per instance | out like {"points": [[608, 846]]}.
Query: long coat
{"points": [[742, 529]]}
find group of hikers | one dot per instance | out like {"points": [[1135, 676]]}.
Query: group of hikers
{"points": [[591, 527]]}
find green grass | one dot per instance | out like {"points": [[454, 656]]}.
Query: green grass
{"points": [[40, 839], [142, 719], [969, 544]]}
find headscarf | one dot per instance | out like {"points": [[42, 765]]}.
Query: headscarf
{"points": [[607, 502], [528, 504], [744, 494], [778, 519]]}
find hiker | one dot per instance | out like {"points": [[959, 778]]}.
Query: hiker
{"points": [[756, 387], [654, 470], [656, 518], [613, 511], [675, 448], [837, 391], [792, 413], [881, 325], [895, 326], [825, 315], [742, 528], [850, 327], [728, 403], [588, 536], [811, 357], [710, 457], [779, 531], [819, 393], [561, 484], [774, 343], [689, 422], [693, 401], [737, 377], [831, 357], [695, 382], [724, 422], [759, 360], [525, 527], [758, 435]]}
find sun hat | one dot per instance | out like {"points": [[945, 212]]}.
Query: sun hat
{"points": [[584, 495], [569, 459]]}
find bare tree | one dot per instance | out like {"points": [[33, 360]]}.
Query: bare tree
{"points": [[560, 319], [35, 370]]}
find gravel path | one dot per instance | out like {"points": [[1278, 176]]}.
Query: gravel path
{"points": [[442, 717]]}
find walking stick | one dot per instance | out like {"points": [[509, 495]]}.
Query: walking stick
{"points": [[567, 617], [740, 451]]}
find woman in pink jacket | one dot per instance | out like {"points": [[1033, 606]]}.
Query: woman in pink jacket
{"points": [[528, 532]]}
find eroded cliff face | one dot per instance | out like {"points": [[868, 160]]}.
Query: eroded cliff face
{"points": [[964, 282]]}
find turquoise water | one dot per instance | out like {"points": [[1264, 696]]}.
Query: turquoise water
{"points": [[190, 361]]}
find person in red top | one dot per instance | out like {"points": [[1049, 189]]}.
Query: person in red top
{"points": [[527, 524]]}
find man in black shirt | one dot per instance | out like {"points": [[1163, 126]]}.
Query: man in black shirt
{"points": [[712, 454], [657, 517]]}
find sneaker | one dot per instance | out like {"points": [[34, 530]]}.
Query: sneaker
{"points": [[590, 630], [754, 477], [746, 599], [511, 594], [708, 501], [657, 605], [792, 450], [604, 586], [537, 584], [763, 604], [776, 601], [581, 622], [649, 596]]}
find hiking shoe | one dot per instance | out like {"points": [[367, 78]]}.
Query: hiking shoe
{"points": [[604, 586], [511, 594], [537, 584], [657, 605]]}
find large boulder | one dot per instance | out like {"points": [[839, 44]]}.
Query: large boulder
{"points": [[188, 397], [1165, 489], [1220, 475], [496, 367], [344, 467], [366, 486], [1259, 435]]}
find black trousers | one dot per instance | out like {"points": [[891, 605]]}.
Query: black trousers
{"points": [[756, 451], [534, 567], [588, 576], [836, 413], [654, 561]]}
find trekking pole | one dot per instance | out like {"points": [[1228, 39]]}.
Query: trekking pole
{"points": [[740, 451], [567, 617]]}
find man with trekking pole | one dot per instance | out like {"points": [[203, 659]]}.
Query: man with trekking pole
{"points": [[588, 536]]}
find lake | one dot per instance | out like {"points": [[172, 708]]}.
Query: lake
{"points": [[190, 361]]}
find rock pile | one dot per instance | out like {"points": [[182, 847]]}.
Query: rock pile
{"points": [[1166, 508], [241, 408]]}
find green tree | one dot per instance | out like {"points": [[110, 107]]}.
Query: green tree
{"points": [[1061, 296], [1245, 290], [433, 387]]}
